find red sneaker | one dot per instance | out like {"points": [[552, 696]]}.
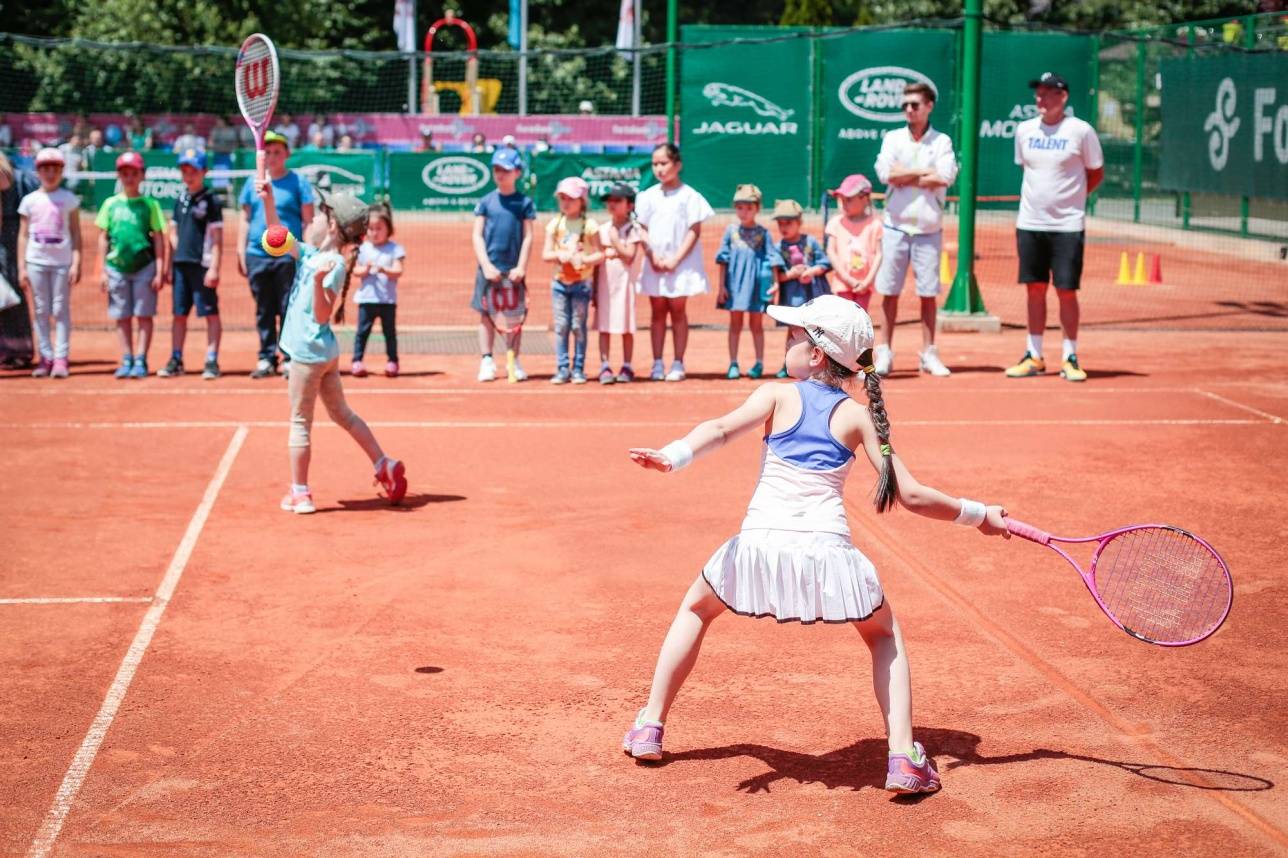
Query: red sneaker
{"points": [[358, 370], [392, 477]]}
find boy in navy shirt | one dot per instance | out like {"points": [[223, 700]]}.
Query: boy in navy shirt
{"points": [[196, 234]]}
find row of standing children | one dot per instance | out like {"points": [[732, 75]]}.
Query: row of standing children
{"points": [[756, 272]]}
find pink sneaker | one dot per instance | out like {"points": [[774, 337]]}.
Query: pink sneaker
{"points": [[300, 504], [644, 740], [42, 369], [358, 370], [392, 477], [60, 369], [905, 776], [391, 369]]}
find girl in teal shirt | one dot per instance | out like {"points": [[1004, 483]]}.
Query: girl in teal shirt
{"points": [[326, 259]]}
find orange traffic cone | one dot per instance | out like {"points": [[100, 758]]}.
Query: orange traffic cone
{"points": [[1138, 278], [1155, 268], [1124, 270], [945, 271]]}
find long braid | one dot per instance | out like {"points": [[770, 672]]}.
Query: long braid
{"points": [[350, 260], [887, 484]]}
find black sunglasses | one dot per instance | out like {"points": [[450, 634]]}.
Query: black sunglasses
{"points": [[915, 105]]}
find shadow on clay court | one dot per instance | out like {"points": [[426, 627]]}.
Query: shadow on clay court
{"points": [[408, 503], [863, 764], [77, 367]]}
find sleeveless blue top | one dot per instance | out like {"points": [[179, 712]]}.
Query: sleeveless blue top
{"points": [[809, 444]]}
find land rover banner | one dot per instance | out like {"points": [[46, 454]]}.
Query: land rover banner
{"points": [[1227, 125], [745, 114], [353, 172], [434, 181], [864, 74]]}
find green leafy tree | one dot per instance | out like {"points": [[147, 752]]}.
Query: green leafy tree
{"points": [[807, 13]]}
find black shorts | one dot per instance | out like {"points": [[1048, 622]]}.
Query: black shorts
{"points": [[190, 287], [1050, 257]]}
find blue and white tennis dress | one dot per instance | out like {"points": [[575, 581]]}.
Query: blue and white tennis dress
{"points": [[793, 559]]}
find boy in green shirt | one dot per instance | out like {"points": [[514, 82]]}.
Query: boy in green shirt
{"points": [[133, 248]]}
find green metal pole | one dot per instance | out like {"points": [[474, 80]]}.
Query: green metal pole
{"points": [[1186, 200], [816, 117], [1138, 150], [1095, 105], [1249, 42], [964, 296], [672, 29]]}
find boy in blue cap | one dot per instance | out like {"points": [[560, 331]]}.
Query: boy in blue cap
{"points": [[196, 236], [502, 240]]}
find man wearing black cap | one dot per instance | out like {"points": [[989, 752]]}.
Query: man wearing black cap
{"points": [[1062, 163]]}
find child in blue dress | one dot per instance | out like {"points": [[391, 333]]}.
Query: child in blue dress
{"points": [[749, 268], [805, 262]]}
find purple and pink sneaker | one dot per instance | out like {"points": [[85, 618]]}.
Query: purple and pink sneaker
{"points": [[903, 775], [644, 740]]}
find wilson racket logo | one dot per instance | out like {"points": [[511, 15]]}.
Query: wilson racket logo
{"points": [[505, 299], [256, 77]]}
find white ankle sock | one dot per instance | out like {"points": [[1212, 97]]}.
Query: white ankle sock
{"points": [[1035, 345], [1070, 347], [380, 463], [297, 489]]}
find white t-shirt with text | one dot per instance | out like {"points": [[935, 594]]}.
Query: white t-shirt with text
{"points": [[1055, 158], [49, 238]]}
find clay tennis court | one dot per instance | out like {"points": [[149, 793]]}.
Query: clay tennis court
{"points": [[190, 671]]}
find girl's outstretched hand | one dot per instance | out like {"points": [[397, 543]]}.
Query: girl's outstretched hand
{"points": [[995, 522], [646, 457]]}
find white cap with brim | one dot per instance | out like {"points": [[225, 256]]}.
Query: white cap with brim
{"points": [[841, 328]]}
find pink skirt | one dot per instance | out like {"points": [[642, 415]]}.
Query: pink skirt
{"points": [[614, 302]]}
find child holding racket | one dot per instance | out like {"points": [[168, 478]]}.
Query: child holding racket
{"points": [[616, 281], [853, 240], [749, 266], [572, 241], [793, 559], [502, 240], [380, 264], [326, 260]]}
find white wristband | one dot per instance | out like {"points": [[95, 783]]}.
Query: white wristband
{"points": [[679, 454], [972, 514]]}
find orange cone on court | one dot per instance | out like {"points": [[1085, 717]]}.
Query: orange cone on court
{"points": [[1138, 278], [945, 271], [1155, 268], [1124, 270]]}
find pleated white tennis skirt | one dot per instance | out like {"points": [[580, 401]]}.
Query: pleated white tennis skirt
{"points": [[794, 576]]}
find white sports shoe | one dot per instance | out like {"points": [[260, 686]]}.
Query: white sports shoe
{"points": [[883, 360], [487, 369], [931, 363], [300, 504], [677, 372], [659, 371], [520, 374]]}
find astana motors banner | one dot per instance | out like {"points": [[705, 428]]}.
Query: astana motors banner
{"points": [[864, 74], [1011, 60], [1227, 125], [745, 114]]}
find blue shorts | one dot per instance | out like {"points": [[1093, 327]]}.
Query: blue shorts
{"points": [[190, 288]]}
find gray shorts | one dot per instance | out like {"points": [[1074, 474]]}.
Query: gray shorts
{"points": [[130, 295], [898, 249]]}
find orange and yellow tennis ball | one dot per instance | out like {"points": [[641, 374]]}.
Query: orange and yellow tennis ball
{"points": [[277, 240]]}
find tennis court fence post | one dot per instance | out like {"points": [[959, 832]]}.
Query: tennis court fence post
{"points": [[672, 34], [964, 308]]}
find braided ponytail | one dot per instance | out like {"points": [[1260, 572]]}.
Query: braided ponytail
{"points": [[887, 491], [350, 260]]}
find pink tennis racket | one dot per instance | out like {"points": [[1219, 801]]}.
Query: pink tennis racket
{"points": [[257, 82], [1158, 583]]}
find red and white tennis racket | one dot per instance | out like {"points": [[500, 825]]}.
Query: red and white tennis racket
{"points": [[507, 307], [1158, 583], [257, 81]]}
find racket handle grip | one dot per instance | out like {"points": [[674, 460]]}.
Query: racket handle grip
{"points": [[1028, 531], [261, 170]]}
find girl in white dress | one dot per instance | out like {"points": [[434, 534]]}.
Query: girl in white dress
{"points": [[793, 559], [671, 213]]}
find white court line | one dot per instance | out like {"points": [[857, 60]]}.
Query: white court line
{"points": [[569, 424], [74, 600], [1219, 398], [84, 758]]}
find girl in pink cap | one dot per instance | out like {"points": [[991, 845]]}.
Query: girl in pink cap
{"points": [[853, 240], [572, 243], [793, 559]]}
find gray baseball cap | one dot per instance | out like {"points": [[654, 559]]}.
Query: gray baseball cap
{"points": [[350, 212]]}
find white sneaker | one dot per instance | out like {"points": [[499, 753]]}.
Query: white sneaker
{"points": [[659, 371], [676, 373], [883, 360], [931, 363], [520, 374], [301, 504], [487, 369]]}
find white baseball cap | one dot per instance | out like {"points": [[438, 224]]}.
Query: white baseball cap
{"points": [[50, 155], [841, 328]]}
